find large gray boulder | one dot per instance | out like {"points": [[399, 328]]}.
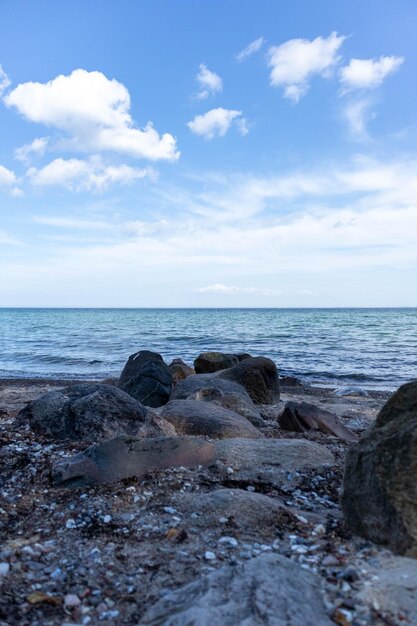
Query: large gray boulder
{"points": [[231, 400], [379, 497], [269, 590], [192, 417], [147, 378], [209, 362], [188, 387], [85, 412], [259, 376]]}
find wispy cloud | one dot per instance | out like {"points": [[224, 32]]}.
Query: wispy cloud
{"points": [[228, 290], [250, 49], [216, 123], [4, 81], [209, 82]]}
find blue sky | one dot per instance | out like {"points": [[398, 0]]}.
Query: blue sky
{"points": [[222, 153]]}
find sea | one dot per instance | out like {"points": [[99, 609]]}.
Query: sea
{"points": [[361, 348]]}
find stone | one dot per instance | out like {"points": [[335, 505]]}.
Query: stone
{"points": [[191, 417], [209, 362], [124, 457], [84, 412], [269, 590], [193, 384], [147, 378], [302, 416], [259, 376], [180, 370], [277, 462], [230, 400], [379, 497], [290, 381]]}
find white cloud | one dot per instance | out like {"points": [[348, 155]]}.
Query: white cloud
{"points": [[357, 114], [9, 182], [72, 223], [368, 73], [4, 81], [37, 148], [216, 123], [85, 175], [296, 61], [253, 47], [93, 111], [219, 288], [210, 83]]}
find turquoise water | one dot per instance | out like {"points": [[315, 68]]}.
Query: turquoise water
{"points": [[373, 348]]}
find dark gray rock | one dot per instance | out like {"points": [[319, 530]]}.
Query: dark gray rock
{"points": [[191, 417], [230, 400], [302, 416], [379, 497], [259, 376], [209, 362], [147, 378], [290, 381], [85, 412], [180, 370], [188, 387], [124, 457], [269, 590]]}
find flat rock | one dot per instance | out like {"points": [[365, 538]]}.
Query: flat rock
{"points": [[272, 461], [192, 417], [379, 498], [302, 416], [269, 590], [259, 376], [147, 378], [124, 457], [188, 387], [231, 400], [85, 412]]}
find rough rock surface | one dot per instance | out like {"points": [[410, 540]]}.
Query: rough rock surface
{"points": [[192, 417], [147, 378], [180, 370], [272, 461], [209, 362], [192, 384], [269, 590], [379, 497], [85, 412], [259, 376], [124, 457], [231, 400], [302, 416]]}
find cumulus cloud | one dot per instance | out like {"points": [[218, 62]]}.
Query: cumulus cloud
{"points": [[8, 181], [85, 175], [219, 288], [36, 148], [250, 49], [210, 83], [296, 61], [4, 81], [216, 123], [93, 112], [368, 73]]}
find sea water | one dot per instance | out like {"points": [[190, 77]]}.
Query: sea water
{"points": [[368, 348]]}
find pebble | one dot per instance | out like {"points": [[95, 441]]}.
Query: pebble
{"points": [[170, 510], [70, 523], [4, 569], [350, 574], [231, 541], [72, 600], [107, 519], [209, 556]]}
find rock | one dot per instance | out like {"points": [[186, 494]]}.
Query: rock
{"points": [[124, 457], [179, 370], [302, 416], [191, 417], [155, 426], [192, 384], [252, 513], [290, 381], [259, 376], [379, 498], [269, 590], [209, 362], [230, 400], [147, 378], [272, 461], [85, 412]]}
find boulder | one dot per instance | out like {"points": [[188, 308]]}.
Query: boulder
{"points": [[124, 457], [259, 376], [147, 378], [278, 462], [179, 370], [192, 384], [379, 498], [301, 416], [209, 362], [85, 412], [290, 381], [230, 400], [270, 590], [191, 417]]}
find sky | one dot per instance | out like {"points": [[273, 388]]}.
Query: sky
{"points": [[230, 153]]}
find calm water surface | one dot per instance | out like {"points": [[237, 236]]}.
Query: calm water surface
{"points": [[374, 348]]}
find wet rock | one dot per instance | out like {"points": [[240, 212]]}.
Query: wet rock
{"points": [[191, 417], [268, 590], [147, 378], [231, 400], [302, 416], [180, 370], [85, 412], [209, 362], [273, 461], [290, 381], [259, 376], [124, 457], [379, 497], [191, 385]]}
